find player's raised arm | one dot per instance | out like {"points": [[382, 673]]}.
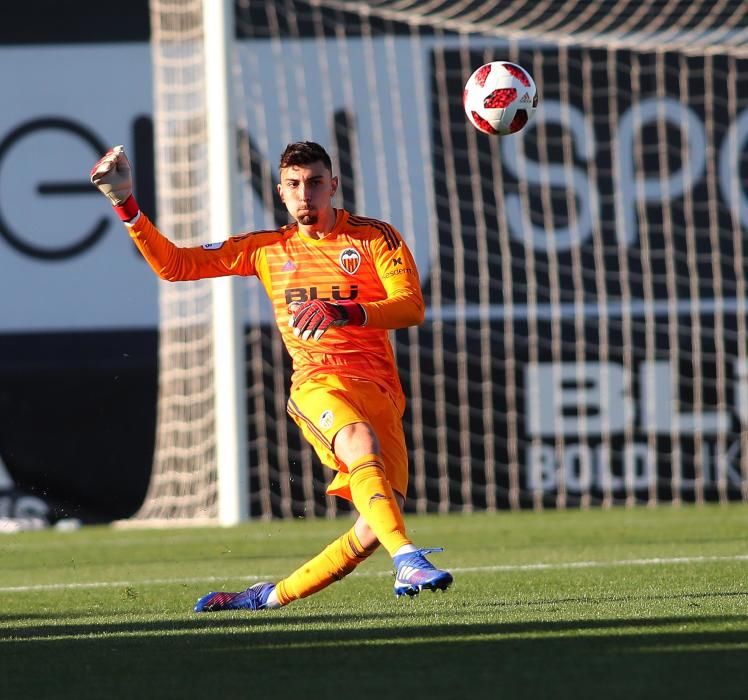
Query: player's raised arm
{"points": [[112, 175]]}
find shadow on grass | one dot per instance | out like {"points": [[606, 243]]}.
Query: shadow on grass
{"points": [[291, 656], [271, 629]]}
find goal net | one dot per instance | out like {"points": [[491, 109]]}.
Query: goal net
{"points": [[585, 339]]}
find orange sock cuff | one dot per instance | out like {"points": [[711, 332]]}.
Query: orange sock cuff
{"points": [[366, 461], [355, 549]]}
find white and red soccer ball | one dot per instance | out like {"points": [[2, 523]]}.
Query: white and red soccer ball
{"points": [[500, 98]]}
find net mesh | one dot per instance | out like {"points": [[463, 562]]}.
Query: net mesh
{"points": [[585, 340], [183, 484]]}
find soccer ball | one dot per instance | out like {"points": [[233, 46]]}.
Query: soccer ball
{"points": [[500, 98]]}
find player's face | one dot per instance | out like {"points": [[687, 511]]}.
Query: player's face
{"points": [[307, 191]]}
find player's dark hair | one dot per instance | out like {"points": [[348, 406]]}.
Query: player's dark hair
{"points": [[304, 153]]}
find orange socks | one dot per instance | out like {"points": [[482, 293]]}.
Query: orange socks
{"points": [[373, 497], [333, 563]]}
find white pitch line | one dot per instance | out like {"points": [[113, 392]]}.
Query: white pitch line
{"points": [[654, 561]]}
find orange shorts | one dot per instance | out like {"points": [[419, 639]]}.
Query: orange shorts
{"points": [[324, 404]]}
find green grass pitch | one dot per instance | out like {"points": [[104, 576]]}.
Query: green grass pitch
{"points": [[622, 603]]}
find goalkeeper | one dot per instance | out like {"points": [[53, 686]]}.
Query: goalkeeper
{"points": [[337, 283]]}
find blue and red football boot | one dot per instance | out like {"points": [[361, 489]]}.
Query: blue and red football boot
{"points": [[254, 598], [414, 573]]}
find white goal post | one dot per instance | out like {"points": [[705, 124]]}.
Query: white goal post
{"points": [[585, 340], [227, 308]]}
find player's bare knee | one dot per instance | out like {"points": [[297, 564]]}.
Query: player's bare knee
{"points": [[354, 441]]}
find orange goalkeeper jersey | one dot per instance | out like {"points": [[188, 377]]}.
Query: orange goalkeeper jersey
{"points": [[361, 259]]}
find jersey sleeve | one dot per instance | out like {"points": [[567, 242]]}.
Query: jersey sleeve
{"points": [[396, 267], [235, 256]]}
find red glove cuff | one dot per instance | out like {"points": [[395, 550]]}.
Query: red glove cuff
{"points": [[356, 313], [128, 209]]}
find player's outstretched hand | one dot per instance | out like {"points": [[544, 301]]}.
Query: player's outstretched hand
{"points": [[311, 319], [112, 175]]}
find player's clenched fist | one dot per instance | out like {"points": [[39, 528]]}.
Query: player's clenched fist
{"points": [[312, 318], [112, 175]]}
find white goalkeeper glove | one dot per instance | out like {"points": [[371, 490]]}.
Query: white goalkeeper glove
{"points": [[112, 175]]}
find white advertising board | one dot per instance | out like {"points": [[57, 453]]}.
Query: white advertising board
{"points": [[66, 262]]}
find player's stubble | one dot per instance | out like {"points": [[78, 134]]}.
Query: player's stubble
{"points": [[308, 219]]}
